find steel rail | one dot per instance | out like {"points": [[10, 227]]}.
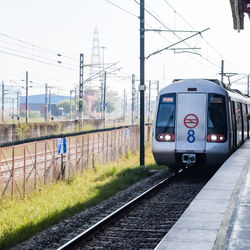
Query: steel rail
{"points": [[95, 227]]}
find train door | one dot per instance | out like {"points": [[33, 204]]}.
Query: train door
{"points": [[191, 122], [244, 118], [248, 112], [239, 123], [233, 120]]}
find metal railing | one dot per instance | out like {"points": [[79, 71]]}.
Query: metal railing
{"points": [[26, 167]]}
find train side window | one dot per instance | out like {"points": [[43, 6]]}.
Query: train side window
{"points": [[216, 111], [166, 111], [216, 115]]}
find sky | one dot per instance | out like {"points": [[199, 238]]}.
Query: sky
{"points": [[32, 33]]}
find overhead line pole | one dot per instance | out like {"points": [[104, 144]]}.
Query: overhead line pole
{"points": [[133, 100], [142, 85], [248, 85], [50, 116], [27, 99], [3, 93], [81, 88], [222, 70], [46, 103], [104, 96]]}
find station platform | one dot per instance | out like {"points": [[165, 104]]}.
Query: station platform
{"points": [[219, 216]]}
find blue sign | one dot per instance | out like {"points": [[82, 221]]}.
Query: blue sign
{"points": [[127, 133], [61, 145]]}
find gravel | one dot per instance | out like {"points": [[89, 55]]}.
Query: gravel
{"points": [[58, 234]]}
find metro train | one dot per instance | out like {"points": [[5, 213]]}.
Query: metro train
{"points": [[199, 122]]}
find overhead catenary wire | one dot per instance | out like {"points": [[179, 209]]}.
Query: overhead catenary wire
{"points": [[162, 23], [36, 60], [46, 50], [35, 55], [208, 43], [117, 6]]}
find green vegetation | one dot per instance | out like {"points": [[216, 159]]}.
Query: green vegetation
{"points": [[21, 218], [65, 104]]}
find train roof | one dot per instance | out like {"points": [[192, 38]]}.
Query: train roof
{"points": [[204, 85]]}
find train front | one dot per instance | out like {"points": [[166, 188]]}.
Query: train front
{"points": [[190, 126]]}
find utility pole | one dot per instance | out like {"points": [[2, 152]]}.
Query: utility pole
{"points": [[149, 103], [104, 96], [13, 109], [248, 85], [46, 103], [27, 99], [50, 105], [142, 85], [133, 99], [157, 88], [75, 106], [102, 84], [3, 93], [124, 103], [222, 70], [137, 105], [81, 89], [71, 91], [17, 105]]}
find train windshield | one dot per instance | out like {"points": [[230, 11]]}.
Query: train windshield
{"points": [[216, 112], [166, 112]]}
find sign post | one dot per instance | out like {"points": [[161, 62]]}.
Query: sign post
{"points": [[62, 150]]}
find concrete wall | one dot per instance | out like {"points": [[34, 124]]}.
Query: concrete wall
{"points": [[22, 131]]}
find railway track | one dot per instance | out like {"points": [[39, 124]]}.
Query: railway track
{"points": [[142, 222]]}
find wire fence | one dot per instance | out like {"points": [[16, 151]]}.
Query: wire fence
{"points": [[26, 167]]}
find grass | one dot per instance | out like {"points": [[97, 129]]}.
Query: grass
{"points": [[21, 218]]}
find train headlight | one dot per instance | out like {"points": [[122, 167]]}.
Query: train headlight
{"points": [[215, 138], [166, 137]]}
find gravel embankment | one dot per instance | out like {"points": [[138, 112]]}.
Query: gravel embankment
{"points": [[60, 233]]}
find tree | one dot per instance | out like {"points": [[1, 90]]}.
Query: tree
{"points": [[110, 107], [65, 104], [111, 99]]}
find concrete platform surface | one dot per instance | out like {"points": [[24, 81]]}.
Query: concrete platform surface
{"points": [[219, 216]]}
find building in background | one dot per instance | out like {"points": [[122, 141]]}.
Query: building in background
{"points": [[90, 97], [37, 103]]}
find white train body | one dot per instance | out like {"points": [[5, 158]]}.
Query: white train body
{"points": [[198, 122]]}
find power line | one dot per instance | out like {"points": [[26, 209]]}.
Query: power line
{"points": [[117, 6], [36, 60], [33, 55], [209, 44], [46, 50], [161, 22]]}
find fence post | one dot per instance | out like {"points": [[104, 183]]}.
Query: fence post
{"points": [[88, 151], [13, 172], [103, 150], [35, 165], [76, 153], [69, 158], [82, 151], [0, 172], [98, 141], [45, 161], [53, 160], [107, 146], [115, 144], [24, 170], [93, 150]]}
